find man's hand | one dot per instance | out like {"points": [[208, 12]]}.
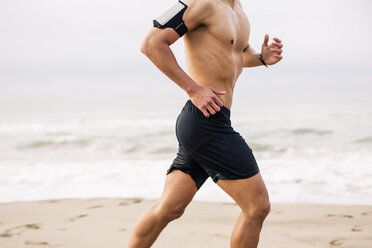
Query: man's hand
{"points": [[205, 98], [271, 54]]}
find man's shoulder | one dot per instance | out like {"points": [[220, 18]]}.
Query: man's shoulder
{"points": [[199, 12], [201, 4]]}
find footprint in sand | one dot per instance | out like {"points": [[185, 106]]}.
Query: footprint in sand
{"points": [[357, 228], [277, 212], [367, 213], [17, 230], [336, 242], [123, 229], [340, 215], [36, 243], [49, 201], [72, 219], [129, 201], [220, 235], [95, 206], [5, 234]]}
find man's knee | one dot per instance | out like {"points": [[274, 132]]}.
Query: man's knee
{"points": [[170, 212], [259, 210]]}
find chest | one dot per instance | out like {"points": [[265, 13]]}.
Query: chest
{"points": [[231, 26]]}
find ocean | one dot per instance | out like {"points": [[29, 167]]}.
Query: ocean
{"points": [[313, 157]]}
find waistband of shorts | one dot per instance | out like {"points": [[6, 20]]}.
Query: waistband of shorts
{"points": [[223, 110]]}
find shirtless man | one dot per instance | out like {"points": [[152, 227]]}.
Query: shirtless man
{"points": [[217, 49]]}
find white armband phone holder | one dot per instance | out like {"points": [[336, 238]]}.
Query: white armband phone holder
{"points": [[173, 18]]}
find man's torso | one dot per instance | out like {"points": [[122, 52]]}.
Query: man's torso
{"points": [[214, 50]]}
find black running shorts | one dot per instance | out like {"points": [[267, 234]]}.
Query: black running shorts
{"points": [[209, 146]]}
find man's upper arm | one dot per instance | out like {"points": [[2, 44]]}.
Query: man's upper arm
{"points": [[183, 17], [198, 13]]}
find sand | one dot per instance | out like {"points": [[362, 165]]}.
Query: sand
{"points": [[108, 222]]}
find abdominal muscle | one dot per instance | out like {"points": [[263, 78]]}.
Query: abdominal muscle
{"points": [[213, 63], [208, 80]]}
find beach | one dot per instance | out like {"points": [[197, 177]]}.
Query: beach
{"points": [[81, 181], [108, 222], [84, 181], [87, 126]]}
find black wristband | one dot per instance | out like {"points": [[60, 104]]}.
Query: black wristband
{"points": [[262, 61]]}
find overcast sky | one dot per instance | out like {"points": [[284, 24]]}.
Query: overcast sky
{"points": [[83, 43]]}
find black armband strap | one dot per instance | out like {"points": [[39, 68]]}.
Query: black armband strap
{"points": [[262, 61], [173, 19]]}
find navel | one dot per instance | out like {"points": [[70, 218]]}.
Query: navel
{"points": [[232, 41], [245, 48]]}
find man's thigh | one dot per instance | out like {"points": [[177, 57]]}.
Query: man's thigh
{"points": [[247, 193], [179, 190]]}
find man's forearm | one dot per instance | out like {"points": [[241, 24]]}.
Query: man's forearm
{"points": [[251, 58], [163, 58]]}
